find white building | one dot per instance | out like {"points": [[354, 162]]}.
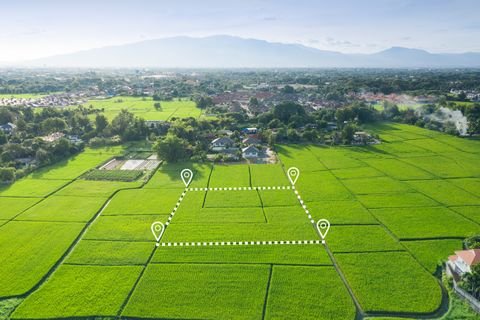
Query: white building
{"points": [[250, 152], [222, 143], [463, 261]]}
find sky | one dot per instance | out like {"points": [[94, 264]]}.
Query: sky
{"points": [[32, 29]]}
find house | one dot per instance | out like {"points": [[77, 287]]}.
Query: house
{"points": [[8, 128], [250, 130], [152, 124], [250, 140], [361, 137], [463, 261], [250, 152], [220, 144], [53, 137]]}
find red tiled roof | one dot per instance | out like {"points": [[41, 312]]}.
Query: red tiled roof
{"points": [[471, 257]]}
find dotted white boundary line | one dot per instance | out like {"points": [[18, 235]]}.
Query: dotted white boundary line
{"points": [[304, 206], [177, 205], [240, 188], [238, 243]]}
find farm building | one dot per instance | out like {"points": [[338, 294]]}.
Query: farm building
{"points": [[463, 261], [222, 143], [250, 152], [250, 140], [8, 128]]}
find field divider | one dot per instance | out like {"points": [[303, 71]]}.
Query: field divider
{"points": [[239, 243], [241, 188]]}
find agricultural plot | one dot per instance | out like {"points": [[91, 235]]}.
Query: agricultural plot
{"points": [[309, 293], [396, 283], [28, 250], [143, 107], [12, 207], [232, 250], [426, 223], [113, 175], [64, 209], [37, 188], [82, 291]]}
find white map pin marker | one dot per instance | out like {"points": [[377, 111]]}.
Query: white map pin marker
{"points": [[323, 226], [157, 230], [187, 176], [293, 174]]}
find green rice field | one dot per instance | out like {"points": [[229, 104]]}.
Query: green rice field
{"points": [[143, 107], [239, 242]]}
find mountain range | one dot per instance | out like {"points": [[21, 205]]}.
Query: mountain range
{"points": [[235, 52]]}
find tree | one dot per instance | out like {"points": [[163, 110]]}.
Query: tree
{"points": [[284, 111], [157, 106], [101, 122], [3, 138], [172, 148], [7, 174], [347, 133], [54, 124], [471, 281], [288, 89]]}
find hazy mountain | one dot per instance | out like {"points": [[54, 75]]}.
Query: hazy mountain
{"points": [[234, 52]]}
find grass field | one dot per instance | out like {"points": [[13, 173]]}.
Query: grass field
{"points": [[397, 210], [143, 107]]}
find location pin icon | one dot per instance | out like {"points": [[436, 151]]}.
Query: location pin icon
{"points": [[187, 176], [293, 174], [323, 226], [157, 230]]}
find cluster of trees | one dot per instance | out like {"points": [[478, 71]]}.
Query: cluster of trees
{"points": [[289, 122], [23, 150]]}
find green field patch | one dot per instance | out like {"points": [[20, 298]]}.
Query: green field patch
{"points": [[76, 291], [335, 158], [433, 145], [211, 291], [251, 254], [31, 188], [355, 173], [143, 107], [442, 167], [390, 282], [64, 208], [128, 228], [396, 200], [302, 292], [398, 169], [219, 215], [470, 185], [10, 207], [299, 156], [237, 175], [361, 239], [276, 198], [110, 253], [424, 222], [228, 199], [28, 250], [168, 176], [73, 167], [84, 188], [113, 175], [376, 185], [401, 149], [460, 143], [268, 175], [433, 253], [143, 201], [341, 212], [293, 215], [471, 212], [322, 185], [284, 223], [445, 192]]}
